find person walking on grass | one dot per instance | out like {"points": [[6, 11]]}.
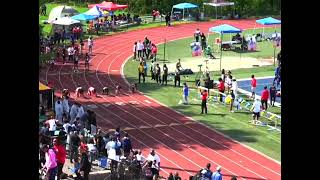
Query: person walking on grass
{"points": [[141, 72], [221, 89], [235, 88], [253, 86], [264, 98], [158, 74], [204, 97], [165, 74], [185, 91], [233, 97], [152, 70], [177, 78], [203, 41], [273, 95], [256, 109]]}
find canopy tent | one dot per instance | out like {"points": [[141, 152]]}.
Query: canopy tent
{"points": [[184, 6], [46, 95], [83, 17], [218, 3], [224, 29], [65, 21], [94, 11], [270, 21], [61, 11], [110, 6]]}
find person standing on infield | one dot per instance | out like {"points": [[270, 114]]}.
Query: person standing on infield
{"points": [[204, 96]]}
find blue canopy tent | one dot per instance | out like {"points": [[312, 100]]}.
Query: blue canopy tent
{"points": [[270, 21], [94, 11], [83, 17], [184, 6], [223, 29]]}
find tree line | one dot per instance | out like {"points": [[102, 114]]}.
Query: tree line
{"points": [[242, 7]]}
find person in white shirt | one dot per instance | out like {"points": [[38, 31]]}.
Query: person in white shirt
{"points": [[92, 91], [235, 88], [66, 126], [52, 125], [140, 157], [111, 148], [90, 45], [139, 49], [70, 53], [92, 150], [156, 159], [58, 110], [228, 82], [256, 109]]}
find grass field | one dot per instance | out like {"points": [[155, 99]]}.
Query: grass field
{"points": [[181, 48], [235, 124]]}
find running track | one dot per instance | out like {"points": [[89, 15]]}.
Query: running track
{"points": [[183, 145]]}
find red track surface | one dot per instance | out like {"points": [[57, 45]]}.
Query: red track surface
{"points": [[183, 145]]}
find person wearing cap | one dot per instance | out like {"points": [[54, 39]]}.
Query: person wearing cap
{"points": [[217, 175], [256, 109], [50, 166]]}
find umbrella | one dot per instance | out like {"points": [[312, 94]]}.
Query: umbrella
{"points": [[224, 29]]}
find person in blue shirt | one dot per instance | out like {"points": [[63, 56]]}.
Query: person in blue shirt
{"points": [[217, 175], [185, 93]]}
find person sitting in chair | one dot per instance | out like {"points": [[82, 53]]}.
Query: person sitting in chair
{"points": [[208, 52]]}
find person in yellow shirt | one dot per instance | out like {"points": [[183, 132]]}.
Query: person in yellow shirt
{"points": [[141, 72]]}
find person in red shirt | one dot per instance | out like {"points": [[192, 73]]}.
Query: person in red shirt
{"points": [[221, 88], [253, 86], [204, 96], [61, 154], [264, 98]]}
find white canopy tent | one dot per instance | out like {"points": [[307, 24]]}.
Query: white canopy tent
{"points": [[218, 3], [61, 11]]}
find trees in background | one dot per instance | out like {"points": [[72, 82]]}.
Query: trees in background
{"points": [[244, 7]]}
